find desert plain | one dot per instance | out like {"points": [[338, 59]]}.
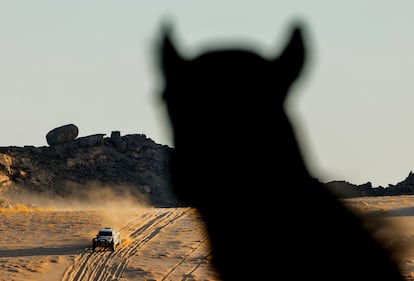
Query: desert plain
{"points": [[52, 242]]}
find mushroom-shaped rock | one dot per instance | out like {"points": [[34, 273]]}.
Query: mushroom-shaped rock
{"points": [[62, 134]]}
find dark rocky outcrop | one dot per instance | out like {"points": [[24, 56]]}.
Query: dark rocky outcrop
{"points": [[347, 189], [133, 165], [62, 134]]}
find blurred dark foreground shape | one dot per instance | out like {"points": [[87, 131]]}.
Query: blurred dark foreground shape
{"points": [[237, 160]]}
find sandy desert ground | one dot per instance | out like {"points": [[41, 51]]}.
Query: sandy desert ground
{"points": [[54, 243]]}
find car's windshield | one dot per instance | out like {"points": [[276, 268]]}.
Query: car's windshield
{"points": [[105, 233]]}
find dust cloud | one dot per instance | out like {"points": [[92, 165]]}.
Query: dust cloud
{"points": [[116, 204]]}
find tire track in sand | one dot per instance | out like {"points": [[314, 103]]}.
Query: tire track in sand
{"points": [[108, 265]]}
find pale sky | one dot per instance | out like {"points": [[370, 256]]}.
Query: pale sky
{"points": [[92, 63]]}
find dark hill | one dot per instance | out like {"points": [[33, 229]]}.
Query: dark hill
{"points": [[88, 167], [346, 189], [133, 165]]}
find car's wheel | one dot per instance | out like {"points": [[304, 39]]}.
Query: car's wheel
{"points": [[113, 246]]}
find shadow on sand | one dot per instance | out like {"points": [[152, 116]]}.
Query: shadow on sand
{"points": [[43, 251]]}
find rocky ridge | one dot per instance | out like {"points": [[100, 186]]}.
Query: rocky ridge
{"points": [[132, 165], [347, 189], [89, 167]]}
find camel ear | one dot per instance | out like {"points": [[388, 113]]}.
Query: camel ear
{"points": [[292, 59], [171, 61]]}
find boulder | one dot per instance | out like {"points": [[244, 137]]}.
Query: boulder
{"points": [[5, 162], [92, 140], [63, 134], [119, 144]]}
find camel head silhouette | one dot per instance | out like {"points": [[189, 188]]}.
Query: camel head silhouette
{"points": [[237, 160]]}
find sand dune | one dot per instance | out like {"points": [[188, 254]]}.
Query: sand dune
{"points": [[54, 243]]}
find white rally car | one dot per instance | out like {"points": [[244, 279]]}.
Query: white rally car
{"points": [[106, 238]]}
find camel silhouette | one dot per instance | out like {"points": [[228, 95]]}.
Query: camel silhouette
{"points": [[236, 159]]}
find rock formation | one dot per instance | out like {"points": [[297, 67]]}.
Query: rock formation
{"points": [[131, 164], [63, 134]]}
